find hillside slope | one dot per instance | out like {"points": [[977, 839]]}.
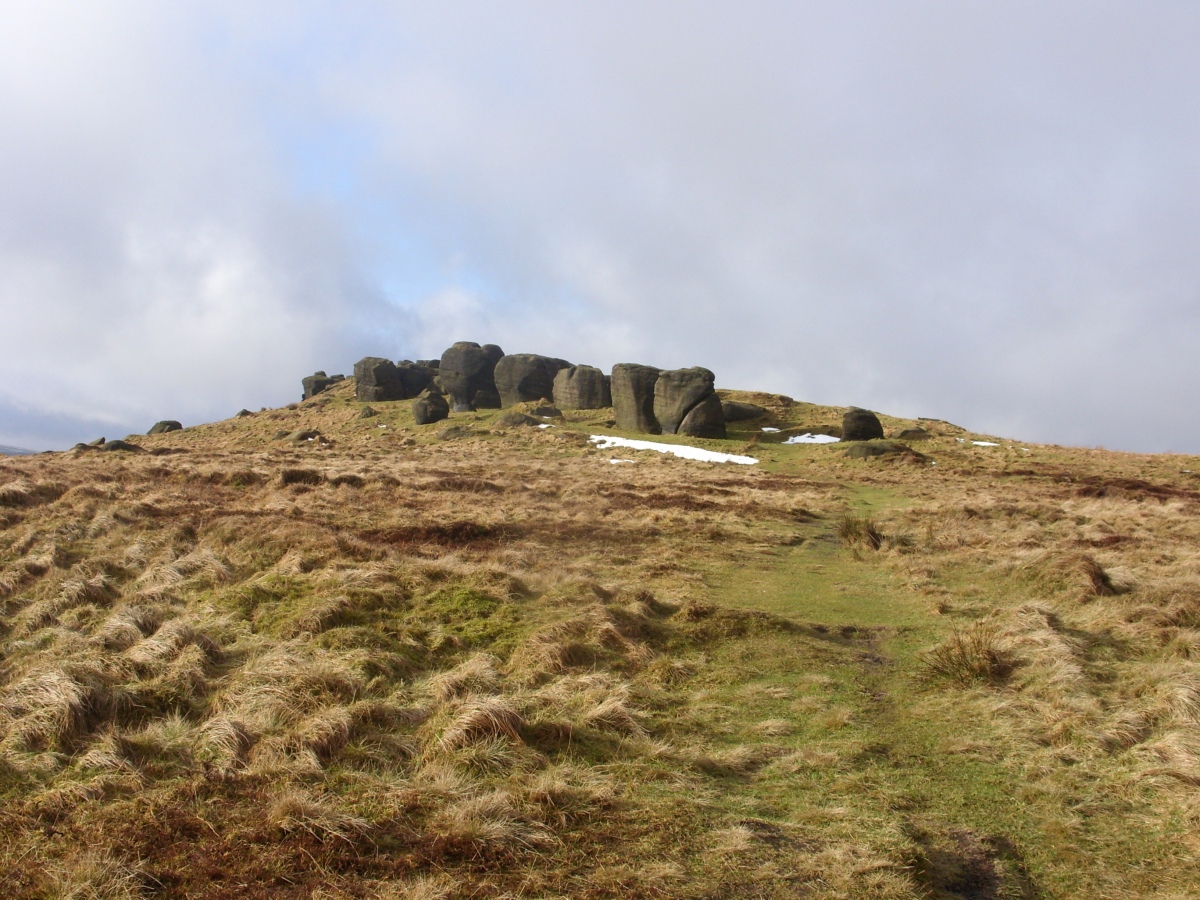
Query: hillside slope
{"points": [[460, 660]]}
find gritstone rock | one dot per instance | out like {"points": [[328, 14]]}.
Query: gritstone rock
{"points": [[914, 434], [377, 380], [868, 449], [525, 377], [632, 388], [123, 446], [677, 391], [317, 382], [430, 407], [465, 370], [546, 412], [704, 420], [164, 426], [582, 387], [861, 425], [737, 411], [513, 418]]}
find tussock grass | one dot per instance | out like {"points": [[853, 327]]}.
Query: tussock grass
{"points": [[501, 666], [973, 654]]}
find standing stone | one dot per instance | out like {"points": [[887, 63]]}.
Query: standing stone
{"points": [[317, 382], [430, 407], [677, 391], [632, 390], [582, 387], [164, 426], [704, 420], [526, 377], [861, 425], [466, 369]]}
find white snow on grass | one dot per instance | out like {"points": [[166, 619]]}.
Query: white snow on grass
{"points": [[607, 442], [769, 430], [812, 439], [985, 443], [617, 462]]}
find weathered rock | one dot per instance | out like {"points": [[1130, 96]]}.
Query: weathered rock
{"points": [[377, 380], [861, 425], [546, 412], [632, 390], [165, 426], [98, 442], [242, 413], [454, 432], [123, 446], [737, 411], [677, 391], [429, 363], [430, 407], [317, 382], [913, 434], [704, 420], [487, 397], [525, 377], [368, 412], [582, 387], [466, 369], [868, 449], [515, 419]]}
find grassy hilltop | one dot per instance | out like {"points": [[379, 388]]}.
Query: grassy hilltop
{"points": [[384, 663]]}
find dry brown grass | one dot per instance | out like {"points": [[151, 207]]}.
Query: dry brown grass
{"points": [[244, 640]]}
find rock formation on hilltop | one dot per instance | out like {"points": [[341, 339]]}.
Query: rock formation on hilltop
{"points": [[582, 387], [632, 388], [467, 373], [678, 393], [527, 377]]}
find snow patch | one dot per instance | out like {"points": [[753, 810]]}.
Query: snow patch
{"points": [[812, 439], [616, 462], [607, 442], [985, 443], [770, 430]]}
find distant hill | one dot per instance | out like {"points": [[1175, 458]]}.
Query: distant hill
{"points": [[15, 451]]}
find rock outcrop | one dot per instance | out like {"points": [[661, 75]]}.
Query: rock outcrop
{"points": [[704, 420], [737, 411], [317, 382], [861, 425], [378, 380], [166, 425], [678, 391], [430, 407], [467, 373], [526, 377], [632, 390], [582, 387]]}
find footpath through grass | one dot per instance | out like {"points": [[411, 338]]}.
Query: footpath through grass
{"points": [[898, 765]]}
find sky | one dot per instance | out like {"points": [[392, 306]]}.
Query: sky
{"points": [[984, 212]]}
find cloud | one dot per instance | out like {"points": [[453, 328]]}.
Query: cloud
{"points": [[984, 212]]}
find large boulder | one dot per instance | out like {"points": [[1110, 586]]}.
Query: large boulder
{"points": [[430, 407], [467, 369], [526, 377], [317, 382], [737, 411], [704, 420], [861, 425], [378, 380], [677, 391], [165, 426], [582, 387], [632, 389]]}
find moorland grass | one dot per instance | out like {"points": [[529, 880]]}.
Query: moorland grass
{"points": [[387, 664]]}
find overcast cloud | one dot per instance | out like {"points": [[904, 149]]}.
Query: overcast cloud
{"points": [[987, 212]]}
